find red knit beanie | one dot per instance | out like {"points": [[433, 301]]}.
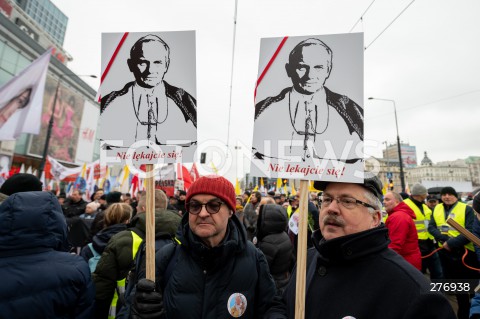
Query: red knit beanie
{"points": [[216, 186]]}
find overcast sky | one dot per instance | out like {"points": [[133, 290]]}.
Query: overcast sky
{"points": [[427, 61]]}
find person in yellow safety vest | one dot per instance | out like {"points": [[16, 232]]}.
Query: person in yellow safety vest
{"points": [[423, 214], [118, 257], [454, 243]]}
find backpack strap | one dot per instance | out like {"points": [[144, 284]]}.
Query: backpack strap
{"points": [[94, 252]]}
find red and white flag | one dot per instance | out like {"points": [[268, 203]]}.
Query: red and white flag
{"points": [[21, 100], [194, 173], [184, 175]]}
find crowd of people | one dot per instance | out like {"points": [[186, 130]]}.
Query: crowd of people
{"points": [[218, 255]]}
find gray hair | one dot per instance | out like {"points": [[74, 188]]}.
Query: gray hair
{"points": [[374, 201], [397, 196], [161, 200]]}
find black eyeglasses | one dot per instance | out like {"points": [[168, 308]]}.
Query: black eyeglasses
{"points": [[347, 202], [212, 207]]}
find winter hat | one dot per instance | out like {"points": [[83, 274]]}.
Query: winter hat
{"points": [[21, 182], [373, 184], [449, 190], [113, 197], [93, 205], [418, 189], [216, 186], [476, 203]]}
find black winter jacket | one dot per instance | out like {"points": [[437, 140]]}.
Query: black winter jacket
{"points": [[204, 281], [40, 279], [274, 242], [357, 276]]}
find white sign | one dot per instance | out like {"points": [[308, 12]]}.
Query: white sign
{"points": [[308, 108], [88, 133], [148, 108]]}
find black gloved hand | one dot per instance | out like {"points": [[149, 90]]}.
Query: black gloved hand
{"points": [[147, 303], [443, 238]]}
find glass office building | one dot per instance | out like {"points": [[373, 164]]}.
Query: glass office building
{"points": [[48, 16]]}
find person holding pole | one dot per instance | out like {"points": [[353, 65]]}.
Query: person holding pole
{"points": [[119, 254], [458, 253], [213, 271], [351, 272]]}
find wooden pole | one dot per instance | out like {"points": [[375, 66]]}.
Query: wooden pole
{"points": [[150, 223], [302, 251], [474, 239]]}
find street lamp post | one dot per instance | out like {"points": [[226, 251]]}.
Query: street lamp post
{"points": [[50, 122], [402, 177]]}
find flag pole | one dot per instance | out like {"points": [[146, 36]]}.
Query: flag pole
{"points": [[150, 223], [301, 251]]}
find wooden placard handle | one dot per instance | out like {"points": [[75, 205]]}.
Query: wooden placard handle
{"points": [[474, 239], [150, 223], [302, 251]]}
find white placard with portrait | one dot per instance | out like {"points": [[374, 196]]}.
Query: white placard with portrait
{"points": [[148, 97], [309, 108]]}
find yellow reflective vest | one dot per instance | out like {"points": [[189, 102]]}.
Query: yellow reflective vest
{"points": [[457, 214], [289, 211], [112, 313], [421, 220]]}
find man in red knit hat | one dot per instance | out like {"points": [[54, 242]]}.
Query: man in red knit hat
{"points": [[214, 266]]}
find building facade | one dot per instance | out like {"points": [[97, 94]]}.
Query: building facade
{"points": [[47, 16], [73, 136]]}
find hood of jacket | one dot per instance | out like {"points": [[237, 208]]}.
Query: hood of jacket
{"points": [[235, 241], [272, 219], [350, 247], [402, 207], [32, 221], [100, 240], [166, 221]]}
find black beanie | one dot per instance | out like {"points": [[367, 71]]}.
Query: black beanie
{"points": [[21, 182], [449, 190], [113, 197]]}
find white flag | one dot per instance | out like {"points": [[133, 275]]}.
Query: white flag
{"points": [[21, 100]]}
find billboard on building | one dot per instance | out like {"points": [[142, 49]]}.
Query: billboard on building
{"points": [[66, 123], [409, 155]]}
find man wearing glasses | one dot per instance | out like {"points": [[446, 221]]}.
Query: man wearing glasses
{"points": [[351, 272], [212, 267]]}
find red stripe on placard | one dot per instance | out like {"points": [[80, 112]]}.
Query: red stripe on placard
{"points": [[112, 59], [274, 56]]}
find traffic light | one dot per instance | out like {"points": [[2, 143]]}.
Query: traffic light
{"points": [[390, 184]]}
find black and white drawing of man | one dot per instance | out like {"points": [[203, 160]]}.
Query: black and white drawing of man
{"points": [[149, 108], [308, 111]]}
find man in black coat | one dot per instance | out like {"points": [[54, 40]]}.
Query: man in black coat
{"points": [[215, 272], [75, 205], [351, 273]]}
